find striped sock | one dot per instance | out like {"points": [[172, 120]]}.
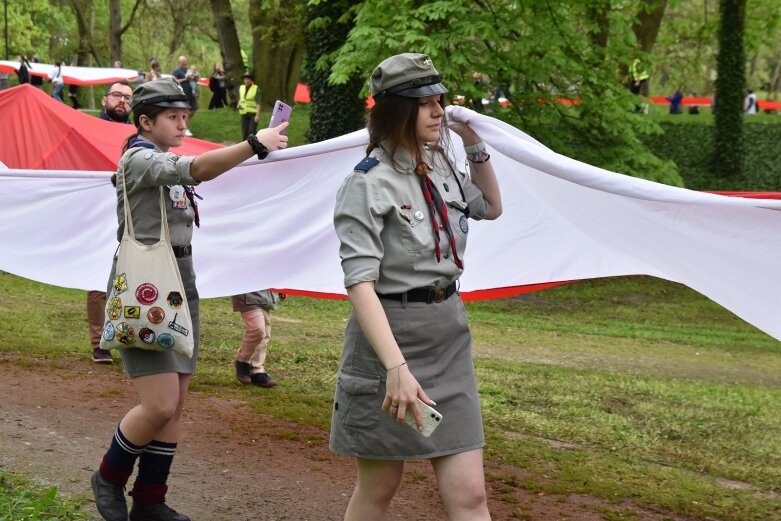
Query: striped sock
{"points": [[154, 465], [117, 464]]}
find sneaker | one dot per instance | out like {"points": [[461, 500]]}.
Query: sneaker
{"points": [[156, 512], [262, 380], [101, 356], [109, 499], [243, 370]]}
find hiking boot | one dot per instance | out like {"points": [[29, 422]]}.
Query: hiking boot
{"points": [[156, 512], [262, 380], [243, 370], [109, 499], [101, 356]]}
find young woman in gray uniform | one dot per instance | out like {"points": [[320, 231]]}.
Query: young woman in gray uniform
{"points": [[402, 219], [149, 432]]}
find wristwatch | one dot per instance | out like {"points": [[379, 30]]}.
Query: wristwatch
{"points": [[257, 147]]}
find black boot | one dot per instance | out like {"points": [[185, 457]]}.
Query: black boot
{"points": [[109, 498], [155, 512]]}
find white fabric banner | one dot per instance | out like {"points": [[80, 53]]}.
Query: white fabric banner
{"points": [[269, 225], [75, 75]]}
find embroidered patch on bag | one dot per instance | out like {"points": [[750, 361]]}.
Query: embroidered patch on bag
{"points": [[132, 311], [175, 299], [147, 336], [120, 284], [178, 327], [165, 340], [146, 293], [126, 334], [108, 332], [155, 315], [114, 308]]}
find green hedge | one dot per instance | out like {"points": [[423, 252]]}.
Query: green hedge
{"points": [[690, 145]]}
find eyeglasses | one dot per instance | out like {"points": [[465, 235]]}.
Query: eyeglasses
{"points": [[119, 96]]}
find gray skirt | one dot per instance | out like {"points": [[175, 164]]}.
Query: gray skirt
{"points": [[437, 345], [143, 362]]}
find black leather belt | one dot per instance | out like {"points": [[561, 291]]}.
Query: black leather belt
{"points": [[181, 252], [427, 295]]}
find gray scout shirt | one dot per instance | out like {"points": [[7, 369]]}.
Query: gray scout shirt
{"points": [[384, 226], [147, 170]]}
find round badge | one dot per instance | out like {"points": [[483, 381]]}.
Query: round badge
{"points": [[147, 336], [114, 308], [125, 333], [419, 215], [165, 340], [463, 223], [148, 155], [175, 299], [108, 332], [176, 192], [155, 315], [146, 293]]}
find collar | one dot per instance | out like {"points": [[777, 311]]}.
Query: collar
{"points": [[141, 142]]}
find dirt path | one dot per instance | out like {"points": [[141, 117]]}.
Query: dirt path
{"points": [[56, 418]]}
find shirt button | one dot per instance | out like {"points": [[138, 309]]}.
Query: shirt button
{"points": [[446, 255]]}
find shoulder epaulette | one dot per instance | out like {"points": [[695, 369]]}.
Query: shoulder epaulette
{"points": [[366, 164]]}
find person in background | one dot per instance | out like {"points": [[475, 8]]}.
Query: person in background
{"points": [[217, 86], [117, 64], [36, 81], [249, 105], [402, 219], [675, 101], [73, 92], [255, 309], [182, 76], [750, 105], [149, 432], [116, 103], [23, 72], [3, 80], [96, 319], [154, 70], [58, 81]]}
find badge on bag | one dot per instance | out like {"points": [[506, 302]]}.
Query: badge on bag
{"points": [[146, 293], [108, 332], [120, 284], [132, 311], [165, 340], [155, 315], [175, 299], [126, 334], [146, 335], [178, 327], [114, 308]]}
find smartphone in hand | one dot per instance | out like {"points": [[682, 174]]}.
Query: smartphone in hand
{"points": [[431, 418], [281, 112]]}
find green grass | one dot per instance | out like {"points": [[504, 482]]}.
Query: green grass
{"points": [[224, 126], [21, 500], [626, 388]]}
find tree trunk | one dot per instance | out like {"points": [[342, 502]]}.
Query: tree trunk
{"points": [[278, 47], [115, 25], [230, 48], [647, 24], [730, 87], [85, 29]]}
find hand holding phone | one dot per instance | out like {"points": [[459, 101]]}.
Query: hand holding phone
{"points": [[431, 418], [281, 112]]}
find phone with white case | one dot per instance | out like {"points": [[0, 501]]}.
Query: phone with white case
{"points": [[431, 418]]}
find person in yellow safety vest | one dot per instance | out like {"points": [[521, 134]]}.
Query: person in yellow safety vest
{"points": [[638, 75], [249, 106]]}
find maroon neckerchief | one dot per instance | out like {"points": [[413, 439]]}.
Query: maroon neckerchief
{"points": [[436, 205]]}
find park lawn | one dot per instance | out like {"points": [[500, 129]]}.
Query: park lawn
{"points": [[21, 499], [625, 388]]}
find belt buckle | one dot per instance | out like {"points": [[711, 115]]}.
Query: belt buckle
{"points": [[437, 295]]}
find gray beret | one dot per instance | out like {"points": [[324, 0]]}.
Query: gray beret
{"points": [[160, 93]]}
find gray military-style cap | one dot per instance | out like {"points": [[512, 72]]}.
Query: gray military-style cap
{"points": [[165, 92], [410, 75]]}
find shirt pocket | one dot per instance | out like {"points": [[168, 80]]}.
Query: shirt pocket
{"points": [[357, 402], [416, 235]]}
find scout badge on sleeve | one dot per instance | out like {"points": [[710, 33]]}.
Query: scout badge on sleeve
{"points": [[147, 307]]}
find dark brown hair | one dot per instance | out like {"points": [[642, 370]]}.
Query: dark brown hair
{"points": [[395, 118], [150, 111]]}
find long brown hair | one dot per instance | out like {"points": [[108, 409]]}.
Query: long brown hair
{"points": [[395, 118], [150, 111]]}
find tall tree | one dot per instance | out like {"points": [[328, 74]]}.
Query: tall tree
{"points": [[116, 29], [730, 87], [277, 47], [230, 48], [336, 109]]}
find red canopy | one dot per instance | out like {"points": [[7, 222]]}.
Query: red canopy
{"points": [[40, 133]]}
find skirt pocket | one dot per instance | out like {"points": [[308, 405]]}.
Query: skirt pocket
{"points": [[357, 403]]}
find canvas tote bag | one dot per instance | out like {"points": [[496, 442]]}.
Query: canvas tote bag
{"points": [[147, 306]]}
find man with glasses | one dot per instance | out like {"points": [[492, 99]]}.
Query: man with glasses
{"points": [[116, 103]]}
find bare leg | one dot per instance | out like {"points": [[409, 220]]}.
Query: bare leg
{"points": [[375, 486], [461, 483], [159, 414]]}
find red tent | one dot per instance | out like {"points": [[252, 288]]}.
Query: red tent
{"points": [[40, 133]]}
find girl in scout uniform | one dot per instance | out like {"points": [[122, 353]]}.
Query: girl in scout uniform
{"points": [[150, 431], [402, 220]]}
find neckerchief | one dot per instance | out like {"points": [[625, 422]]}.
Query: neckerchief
{"points": [[436, 205]]}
